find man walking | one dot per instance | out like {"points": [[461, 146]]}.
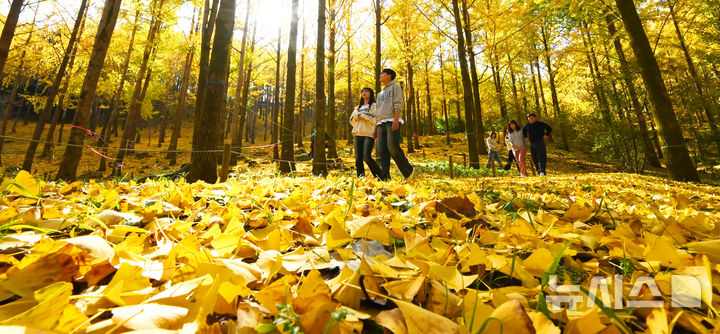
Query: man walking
{"points": [[387, 132], [537, 132]]}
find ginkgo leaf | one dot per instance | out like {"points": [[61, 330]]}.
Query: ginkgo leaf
{"points": [[149, 316]]}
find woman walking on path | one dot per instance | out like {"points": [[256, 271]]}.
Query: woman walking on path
{"points": [[493, 146], [516, 138], [363, 122]]}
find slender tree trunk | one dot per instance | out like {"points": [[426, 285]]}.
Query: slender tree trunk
{"points": [[134, 110], [428, 100], [378, 45], [182, 96], [444, 98], [8, 32], [349, 107], [535, 88], [707, 104], [417, 124], [467, 89], [540, 83], [300, 125], [410, 103], [319, 162], [457, 101], [497, 81], [237, 132], [16, 84], [276, 100], [516, 99], [287, 163], [203, 162], [60, 108], [246, 92], [331, 108], [208, 26], [553, 91], [73, 153], [678, 157], [477, 103], [40, 126]]}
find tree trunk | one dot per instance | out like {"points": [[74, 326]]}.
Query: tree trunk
{"points": [[246, 92], [378, 46], [287, 163], [300, 125], [457, 101], [707, 104], [8, 32], [237, 132], [182, 96], [134, 110], [349, 107], [208, 26], [276, 100], [45, 113], [553, 92], [49, 139], [206, 138], [428, 100], [444, 99], [497, 81], [331, 108], [410, 108], [677, 154], [319, 162], [535, 88], [71, 158], [650, 154], [477, 103], [16, 84], [516, 99], [467, 90]]}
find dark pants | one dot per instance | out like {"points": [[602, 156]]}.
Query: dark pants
{"points": [[511, 158], [388, 146], [539, 155], [363, 153]]}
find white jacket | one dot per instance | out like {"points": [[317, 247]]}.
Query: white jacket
{"points": [[363, 120], [492, 144], [517, 140]]}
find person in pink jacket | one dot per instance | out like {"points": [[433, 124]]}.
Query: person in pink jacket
{"points": [[519, 146], [363, 120]]}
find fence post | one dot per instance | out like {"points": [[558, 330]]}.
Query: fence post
{"points": [[225, 163], [493, 166], [452, 170], [424, 155], [464, 160]]}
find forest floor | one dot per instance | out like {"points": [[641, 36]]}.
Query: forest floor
{"points": [[262, 253]]}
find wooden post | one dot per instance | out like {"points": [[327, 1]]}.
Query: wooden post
{"points": [[424, 158], [452, 170], [532, 165], [464, 160], [492, 161], [225, 163]]}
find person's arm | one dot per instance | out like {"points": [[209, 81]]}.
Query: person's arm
{"points": [[525, 131], [397, 106], [354, 113], [548, 129]]}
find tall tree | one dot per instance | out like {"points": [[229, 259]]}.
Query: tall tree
{"points": [[650, 154], [8, 32], [59, 109], [236, 130], [276, 98], [677, 154], [19, 77], [45, 113], [319, 161], [246, 89], [300, 124], [73, 152], [287, 158], [705, 101], [444, 98], [377, 8], [206, 138], [553, 89], [467, 89], [331, 126], [477, 103], [182, 95]]}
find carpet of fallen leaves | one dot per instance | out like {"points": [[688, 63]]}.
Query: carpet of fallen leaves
{"points": [[261, 254]]}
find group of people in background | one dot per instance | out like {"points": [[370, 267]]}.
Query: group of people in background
{"points": [[518, 140], [379, 120]]}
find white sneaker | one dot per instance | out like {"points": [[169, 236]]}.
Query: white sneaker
{"points": [[542, 174]]}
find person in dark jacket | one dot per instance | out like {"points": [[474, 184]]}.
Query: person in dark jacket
{"points": [[537, 132]]}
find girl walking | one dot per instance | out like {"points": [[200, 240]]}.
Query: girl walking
{"points": [[517, 140], [363, 122]]}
